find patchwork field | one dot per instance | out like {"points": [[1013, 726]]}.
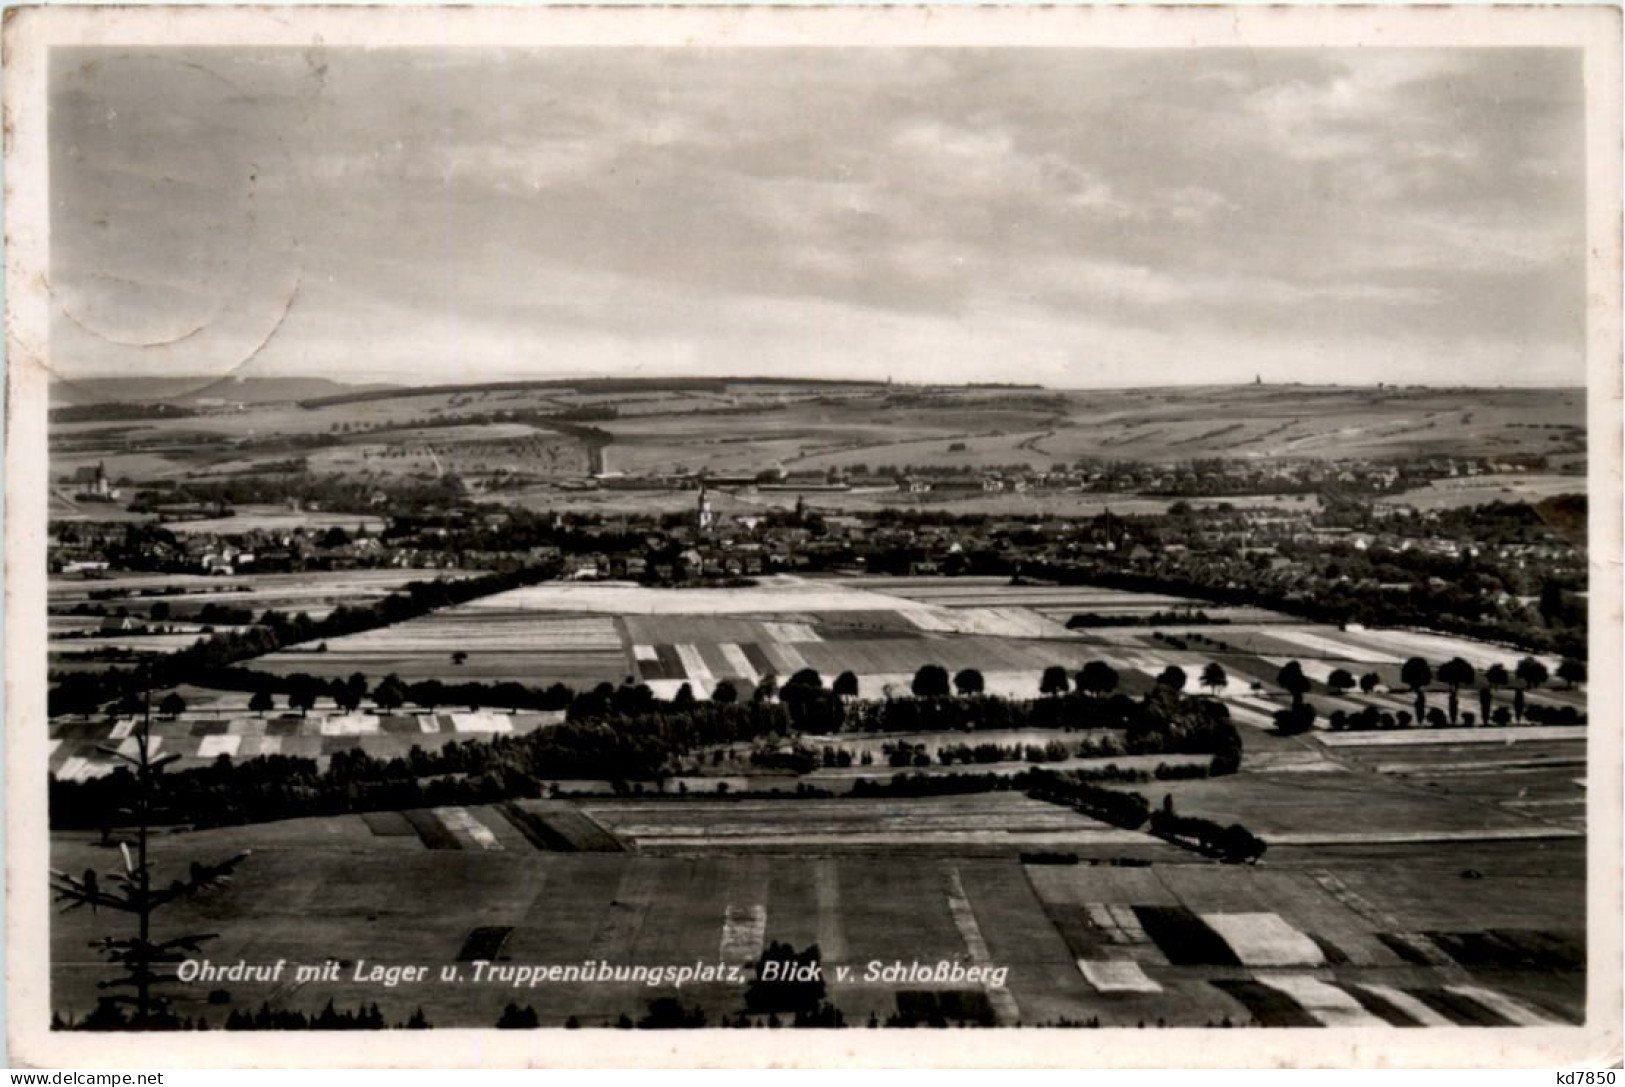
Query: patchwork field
{"points": [[882, 630], [200, 736], [1420, 877]]}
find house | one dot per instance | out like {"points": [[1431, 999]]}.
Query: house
{"points": [[913, 485]]}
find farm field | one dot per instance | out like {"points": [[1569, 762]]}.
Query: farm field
{"points": [[864, 498], [1359, 914], [74, 640], [1413, 877], [539, 648], [275, 519], [882, 630], [966, 825], [1389, 938], [1350, 807], [609, 502], [229, 728], [1537, 775], [1074, 504], [315, 592], [1479, 490], [581, 634]]}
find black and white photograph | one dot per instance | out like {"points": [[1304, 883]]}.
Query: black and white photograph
{"points": [[723, 527]]}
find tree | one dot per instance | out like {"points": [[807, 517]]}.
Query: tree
{"points": [[807, 677], [767, 688], [1369, 682], [1532, 672], [1417, 674], [1054, 681], [1214, 678], [726, 694], [431, 693], [172, 706], [517, 1018], [1292, 680], [1496, 676], [1098, 678], [930, 681], [344, 696], [129, 889], [356, 687], [302, 697], [969, 681], [786, 980], [684, 698], [846, 685], [1226, 750], [1173, 677], [1341, 681], [459, 657], [1572, 672], [261, 701], [1295, 720], [668, 1013], [1456, 673], [1486, 699], [1238, 845]]}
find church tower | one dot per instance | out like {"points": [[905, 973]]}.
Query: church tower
{"points": [[704, 517]]}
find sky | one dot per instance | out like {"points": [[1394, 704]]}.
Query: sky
{"points": [[1072, 217]]}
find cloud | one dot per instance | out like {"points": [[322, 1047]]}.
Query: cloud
{"points": [[862, 210]]}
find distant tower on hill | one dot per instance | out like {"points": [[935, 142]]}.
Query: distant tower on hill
{"points": [[1258, 379], [704, 516]]}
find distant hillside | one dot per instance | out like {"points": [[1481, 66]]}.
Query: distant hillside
{"points": [[183, 390], [601, 385]]}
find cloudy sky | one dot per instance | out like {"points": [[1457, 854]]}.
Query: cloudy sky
{"points": [[1073, 217]]}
